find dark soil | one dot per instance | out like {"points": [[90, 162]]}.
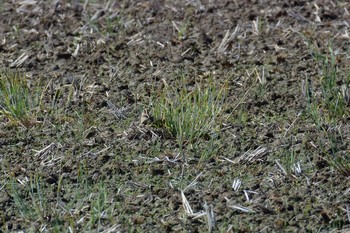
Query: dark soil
{"points": [[84, 168]]}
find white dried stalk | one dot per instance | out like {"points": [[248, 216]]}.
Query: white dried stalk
{"points": [[236, 184], [281, 167], [186, 204], [226, 40], [211, 221], [297, 169], [291, 125], [255, 26], [193, 183], [251, 156], [20, 60], [119, 113], [43, 152], [242, 208]]}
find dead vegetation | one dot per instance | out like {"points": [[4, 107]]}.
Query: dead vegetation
{"points": [[143, 116]]}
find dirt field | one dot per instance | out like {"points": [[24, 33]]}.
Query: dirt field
{"points": [[176, 116]]}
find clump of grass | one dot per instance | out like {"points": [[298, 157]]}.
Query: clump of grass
{"points": [[342, 164], [334, 87], [39, 205], [333, 98], [31, 201], [332, 106], [187, 114], [338, 158], [17, 101]]}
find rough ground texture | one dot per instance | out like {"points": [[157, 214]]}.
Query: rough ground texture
{"points": [[90, 165]]}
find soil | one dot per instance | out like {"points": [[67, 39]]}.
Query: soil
{"points": [[83, 157]]}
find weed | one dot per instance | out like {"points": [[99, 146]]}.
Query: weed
{"points": [[334, 97], [209, 149], [37, 207], [181, 30], [315, 113], [189, 115], [99, 206], [60, 99], [339, 159], [84, 125], [342, 164], [18, 102], [115, 23], [181, 34]]}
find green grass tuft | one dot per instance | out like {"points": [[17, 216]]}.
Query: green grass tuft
{"points": [[341, 164], [333, 98], [189, 115], [18, 103]]}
